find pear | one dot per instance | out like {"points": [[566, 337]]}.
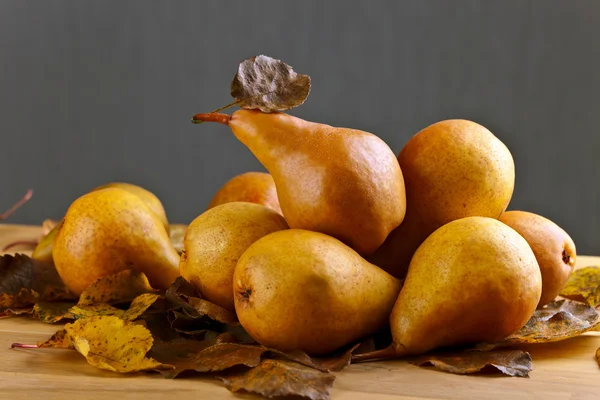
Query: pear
{"points": [[149, 198], [343, 182], [43, 250], [110, 230], [253, 187], [302, 290], [452, 169], [472, 280], [216, 239], [553, 248]]}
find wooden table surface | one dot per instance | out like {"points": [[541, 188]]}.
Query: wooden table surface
{"points": [[563, 370]]}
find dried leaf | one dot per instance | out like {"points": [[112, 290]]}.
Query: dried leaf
{"points": [[509, 362], [213, 311], [269, 85], [13, 312], [60, 340], [113, 344], [177, 233], [121, 287], [138, 306], [339, 361], [282, 378], [559, 320], [584, 285], [95, 310], [219, 353], [184, 354], [51, 313], [25, 281]]}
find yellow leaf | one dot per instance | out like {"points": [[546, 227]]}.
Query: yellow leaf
{"points": [[137, 308], [584, 285], [110, 343], [60, 340], [118, 288]]}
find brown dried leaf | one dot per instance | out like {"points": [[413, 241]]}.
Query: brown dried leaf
{"points": [[509, 362], [213, 311], [269, 85], [584, 285], [183, 353], [339, 361], [51, 313], [60, 340], [25, 281], [121, 287], [110, 343], [176, 234], [558, 320], [14, 312], [282, 378]]}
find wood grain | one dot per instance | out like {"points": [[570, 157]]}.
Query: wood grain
{"points": [[563, 370]]}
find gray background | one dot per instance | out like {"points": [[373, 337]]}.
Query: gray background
{"points": [[97, 91]]}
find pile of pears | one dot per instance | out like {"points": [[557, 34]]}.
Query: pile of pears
{"points": [[340, 239]]}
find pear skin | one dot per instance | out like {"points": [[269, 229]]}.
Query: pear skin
{"points": [[452, 169], [553, 248], [149, 198], [216, 239], [110, 230], [472, 280], [302, 290], [252, 187], [343, 182], [43, 250]]}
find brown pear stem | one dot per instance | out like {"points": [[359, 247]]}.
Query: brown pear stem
{"points": [[20, 243], [23, 346], [212, 117], [383, 354], [18, 204]]}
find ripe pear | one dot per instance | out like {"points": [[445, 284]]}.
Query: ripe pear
{"points": [[452, 169], [343, 182], [43, 250], [216, 239], [472, 280], [302, 290], [149, 198], [553, 248], [253, 187], [110, 230]]}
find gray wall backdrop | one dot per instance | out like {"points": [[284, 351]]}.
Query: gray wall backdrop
{"points": [[98, 91]]}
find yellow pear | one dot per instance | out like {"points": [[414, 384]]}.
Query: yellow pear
{"points": [[110, 230], [43, 250], [553, 248], [472, 280], [253, 187], [216, 239], [302, 290], [149, 198], [452, 169], [343, 182]]}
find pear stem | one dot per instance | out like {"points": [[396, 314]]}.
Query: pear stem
{"points": [[211, 117], [20, 243], [383, 354], [18, 204], [23, 346]]}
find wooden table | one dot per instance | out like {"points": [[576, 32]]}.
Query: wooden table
{"points": [[564, 370]]}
